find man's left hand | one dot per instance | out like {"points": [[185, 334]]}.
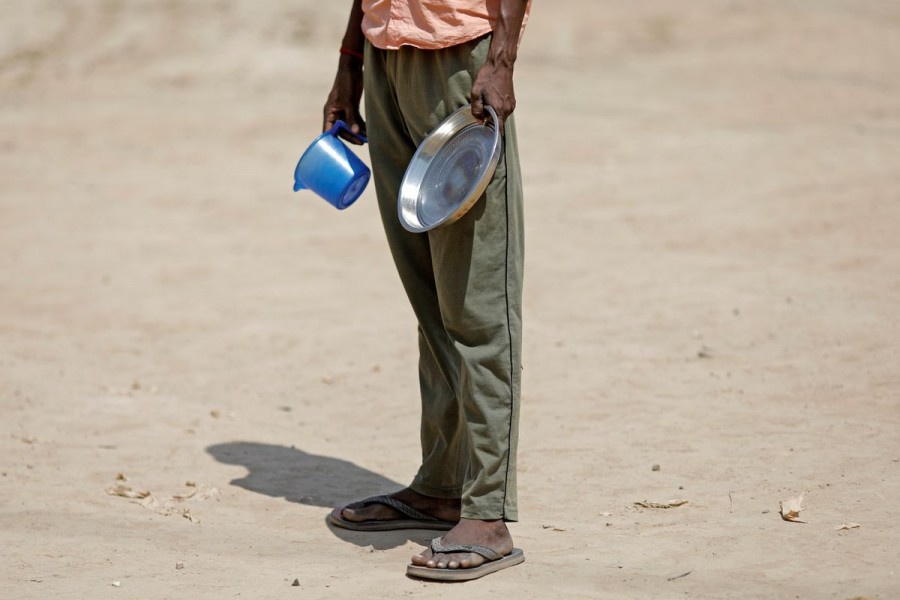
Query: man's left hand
{"points": [[493, 87]]}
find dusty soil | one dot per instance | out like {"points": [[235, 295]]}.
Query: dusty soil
{"points": [[713, 286]]}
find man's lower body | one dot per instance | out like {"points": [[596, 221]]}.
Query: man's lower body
{"points": [[464, 283]]}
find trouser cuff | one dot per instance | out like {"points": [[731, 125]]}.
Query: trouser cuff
{"points": [[435, 491], [489, 512]]}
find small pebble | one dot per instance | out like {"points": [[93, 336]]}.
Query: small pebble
{"points": [[179, 566], [654, 468], [296, 583]]}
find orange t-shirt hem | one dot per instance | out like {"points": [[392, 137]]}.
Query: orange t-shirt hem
{"points": [[392, 24]]}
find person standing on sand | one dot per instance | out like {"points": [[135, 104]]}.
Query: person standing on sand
{"points": [[417, 62]]}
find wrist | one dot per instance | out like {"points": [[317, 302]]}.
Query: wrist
{"points": [[349, 62], [501, 58], [351, 52], [350, 57]]}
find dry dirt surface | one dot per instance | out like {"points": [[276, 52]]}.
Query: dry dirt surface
{"points": [[196, 363]]}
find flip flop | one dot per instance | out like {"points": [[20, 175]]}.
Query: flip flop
{"points": [[496, 562], [416, 520]]}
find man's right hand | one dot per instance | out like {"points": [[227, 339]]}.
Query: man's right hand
{"points": [[343, 101]]}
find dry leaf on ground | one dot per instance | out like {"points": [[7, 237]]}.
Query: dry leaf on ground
{"points": [[125, 491], [186, 513], [167, 506], [204, 492], [791, 509], [669, 504]]}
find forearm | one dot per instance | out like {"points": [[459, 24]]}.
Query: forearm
{"points": [[353, 37], [353, 42], [344, 99], [493, 85], [504, 46]]}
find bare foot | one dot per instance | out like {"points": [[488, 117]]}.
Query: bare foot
{"points": [[491, 534], [443, 509]]}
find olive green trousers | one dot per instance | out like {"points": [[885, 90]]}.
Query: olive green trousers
{"points": [[464, 282]]}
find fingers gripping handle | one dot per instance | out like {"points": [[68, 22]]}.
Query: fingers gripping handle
{"points": [[338, 125]]}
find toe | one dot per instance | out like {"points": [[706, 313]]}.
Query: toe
{"points": [[373, 512], [350, 513], [447, 561], [469, 561], [421, 560]]}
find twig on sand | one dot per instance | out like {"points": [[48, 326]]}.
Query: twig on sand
{"points": [[679, 576]]}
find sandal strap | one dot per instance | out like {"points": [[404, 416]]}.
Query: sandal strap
{"points": [[438, 548], [400, 507]]}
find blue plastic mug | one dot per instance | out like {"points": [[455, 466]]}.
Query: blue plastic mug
{"points": [[332, 170]]}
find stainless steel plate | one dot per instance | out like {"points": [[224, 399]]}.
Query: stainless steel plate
{"points": [[450, 170]]}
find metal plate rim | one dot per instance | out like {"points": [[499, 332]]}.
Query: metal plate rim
{"points": [[410, 187]]}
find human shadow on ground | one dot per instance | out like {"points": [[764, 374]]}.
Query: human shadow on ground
{"points": [[297, 476]]}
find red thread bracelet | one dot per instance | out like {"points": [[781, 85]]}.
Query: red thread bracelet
{"points": [[351, 52]]}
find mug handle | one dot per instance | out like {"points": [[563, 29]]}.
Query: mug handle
{"points": [[341, 125]]}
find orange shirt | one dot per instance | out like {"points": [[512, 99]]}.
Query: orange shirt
{"points": [[389, 24]]}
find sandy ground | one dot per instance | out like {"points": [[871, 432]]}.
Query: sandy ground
{"points": [[713, 286]]}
